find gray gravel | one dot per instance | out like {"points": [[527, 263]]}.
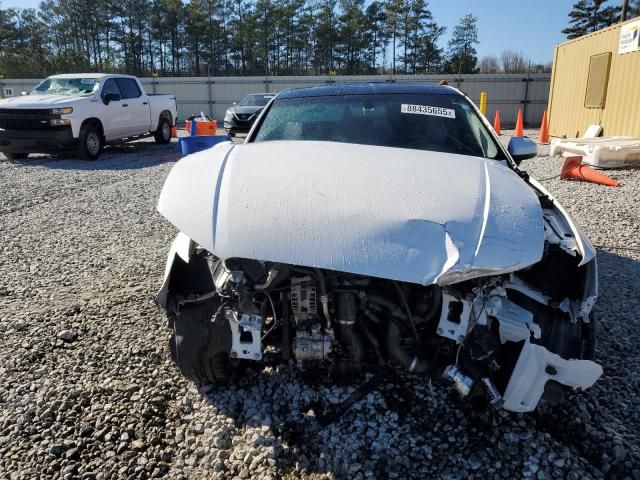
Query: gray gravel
{"points": [[87, 390]]}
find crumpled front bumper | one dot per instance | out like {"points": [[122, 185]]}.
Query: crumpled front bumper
{"points": [[535, 367]]}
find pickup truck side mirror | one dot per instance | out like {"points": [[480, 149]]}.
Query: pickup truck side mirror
{"points": [[110, 97], [522, 148]]}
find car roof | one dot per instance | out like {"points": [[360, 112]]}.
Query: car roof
{"points": [[368, 89], [90, 75]]}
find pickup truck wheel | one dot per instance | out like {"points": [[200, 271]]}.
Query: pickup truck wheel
{"points": [[163, 134], [90, 142], [15, 156]]}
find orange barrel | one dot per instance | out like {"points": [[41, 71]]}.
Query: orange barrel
{"points": [[204, 128]]}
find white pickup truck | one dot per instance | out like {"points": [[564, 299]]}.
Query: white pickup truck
{"points": [[83, 112]]}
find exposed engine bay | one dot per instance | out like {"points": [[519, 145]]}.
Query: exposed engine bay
{"points": [[344, 259], [502, 341]]}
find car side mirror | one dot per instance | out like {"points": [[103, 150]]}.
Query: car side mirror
{"points": [[110, 97], [522, 148], [23, 93], [234, 103]]}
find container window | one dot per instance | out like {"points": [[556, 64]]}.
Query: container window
{"points": [[598, 80]]}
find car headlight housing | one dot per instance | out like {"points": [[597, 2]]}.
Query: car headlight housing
{"points": [[62, 111], [228, 114], [59, 122]]}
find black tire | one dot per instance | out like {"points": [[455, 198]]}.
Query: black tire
{"points": [[15, 156], [91, 142], [163, 134], [200, 347]]}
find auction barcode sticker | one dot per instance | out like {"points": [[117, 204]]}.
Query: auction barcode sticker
{"points": [[427, 110]]}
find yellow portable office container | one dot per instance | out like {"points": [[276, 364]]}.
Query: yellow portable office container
{"points": [[596, 80]]}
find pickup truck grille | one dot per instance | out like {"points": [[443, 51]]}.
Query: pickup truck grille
{"points": [[23, 119]]}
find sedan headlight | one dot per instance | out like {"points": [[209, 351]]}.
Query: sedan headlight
{"points": [[61, 111], [228, 114]]}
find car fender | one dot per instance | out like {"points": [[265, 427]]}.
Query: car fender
{"points": [[182, 247], [585, 248]]}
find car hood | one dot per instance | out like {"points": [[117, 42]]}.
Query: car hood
{"points": [[39, 101], [407, 215]]}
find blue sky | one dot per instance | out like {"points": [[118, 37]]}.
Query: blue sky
{"points": [[532, 27]]}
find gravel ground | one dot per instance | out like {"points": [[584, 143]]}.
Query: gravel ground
{"points": [[87, 390]]}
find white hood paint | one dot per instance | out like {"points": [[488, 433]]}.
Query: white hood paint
{"points": [[39, 101], [408, 215]]}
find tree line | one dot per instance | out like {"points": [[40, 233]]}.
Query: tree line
{"points": [[589, 16], [256, 37], [233, 37], [230, 37]]}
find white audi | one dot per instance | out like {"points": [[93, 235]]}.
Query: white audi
{"points": [[367, 227]]}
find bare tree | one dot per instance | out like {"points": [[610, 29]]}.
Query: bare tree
{"points": [[513, 62], [541, 67], [489, 64]]}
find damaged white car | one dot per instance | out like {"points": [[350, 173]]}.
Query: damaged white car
{"points": [[371, 226]]}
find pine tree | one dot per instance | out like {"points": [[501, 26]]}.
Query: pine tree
{"points": [[325, 37], [352, 36], [590, 16], [376, 32], [425, 55], [394, 13], [195, 28], [462, 55], [7, 29]]}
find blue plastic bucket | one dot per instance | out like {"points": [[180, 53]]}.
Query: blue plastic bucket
{"points": [[188, 145]]}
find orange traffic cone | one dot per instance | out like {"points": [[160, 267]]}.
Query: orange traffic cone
{"points": [[519, 126], [571, 164], [574, 170], [544, 130], [496, 122]]}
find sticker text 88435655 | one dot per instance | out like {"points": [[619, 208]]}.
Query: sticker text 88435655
{"points": [[428, 110]]}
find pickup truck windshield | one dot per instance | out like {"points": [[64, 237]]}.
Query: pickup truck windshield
{"points": [[66, 86], [441, 123], [255, 100]]}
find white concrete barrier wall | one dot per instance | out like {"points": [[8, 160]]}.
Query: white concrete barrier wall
{"points": [[214, 95]]}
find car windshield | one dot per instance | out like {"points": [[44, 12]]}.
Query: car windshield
{"points": [[436, 122], [66, 86], [255, 100]]}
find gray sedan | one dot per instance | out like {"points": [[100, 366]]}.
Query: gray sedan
{"points": [[240, 117]]}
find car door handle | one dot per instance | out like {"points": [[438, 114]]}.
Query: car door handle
{"points": [[145, 103], [125, 104]]}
